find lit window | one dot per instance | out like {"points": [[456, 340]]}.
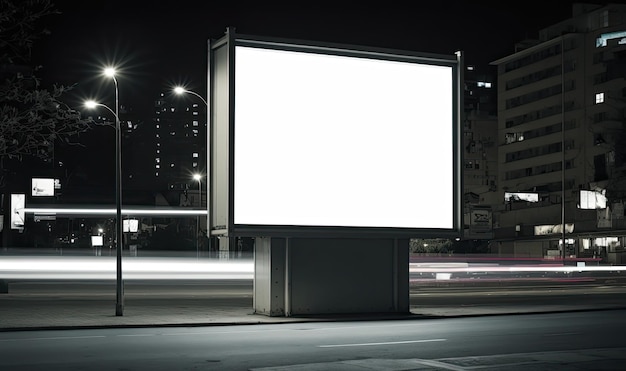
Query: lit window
{"points": [[158, 151], [172, 164], [195, 123], [195, 113], [172, 133], [195, 155], [158, 144], [173, 109], [195, 105], [158, 160], [470, 68], [158, 136], [599, 98], [158, 126], [157, 166], [194, 164], [156, 174]]}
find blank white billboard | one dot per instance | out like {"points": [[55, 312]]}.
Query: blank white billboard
{"points": [[42, 187], [346, 141]]}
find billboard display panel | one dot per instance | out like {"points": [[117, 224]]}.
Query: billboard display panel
{"points": [[342, 141], [18, 216], [42, 187], [521, 196]]}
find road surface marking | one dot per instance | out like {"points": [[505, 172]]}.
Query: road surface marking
{"points": [[381, 343]]}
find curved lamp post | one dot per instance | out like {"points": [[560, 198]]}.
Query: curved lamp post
{"points": [[179, 90], [119, 235]]}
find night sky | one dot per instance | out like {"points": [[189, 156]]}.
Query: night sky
{"points": [[160, 43]]}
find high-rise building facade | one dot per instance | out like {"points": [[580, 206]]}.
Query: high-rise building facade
{"points": [[561, 139], [480, 168], [164, 155]]}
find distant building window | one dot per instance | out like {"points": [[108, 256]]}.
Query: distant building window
{"points": [[194, 164], [599, 98], [195, 123], [482, 84], [156, 174], [172, 164], [172, 109], [158, 160], [158, 126], [513, 137], [157, 166], [158, 151], [195, 113], [195, 155], [604, 18]]}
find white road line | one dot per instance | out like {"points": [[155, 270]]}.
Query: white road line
{"points": [[438, 365], [56, 338], [563, 334], [382, 343], [136, 335]]}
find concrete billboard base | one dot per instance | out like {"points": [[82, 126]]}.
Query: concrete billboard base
{"points": [[317, 276]]}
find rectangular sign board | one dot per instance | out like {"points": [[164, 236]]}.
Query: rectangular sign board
{"points": [[342, 138]]}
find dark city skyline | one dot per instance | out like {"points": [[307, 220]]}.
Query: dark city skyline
{"points": [[156, 45], [160, 44]]}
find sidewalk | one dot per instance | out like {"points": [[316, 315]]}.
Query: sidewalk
{"points": [[66, 307]]}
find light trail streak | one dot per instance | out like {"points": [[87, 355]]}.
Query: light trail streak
{"points": [[16, 267], [134, 268]]}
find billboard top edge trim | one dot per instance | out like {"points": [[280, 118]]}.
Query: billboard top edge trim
{"points": [[334, 48]]}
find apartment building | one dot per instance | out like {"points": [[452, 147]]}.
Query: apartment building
{"points": [[562, 139], [480, 168]]}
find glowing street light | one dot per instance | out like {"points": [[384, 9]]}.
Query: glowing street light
{"points": [[179, 90], [119, 303]]}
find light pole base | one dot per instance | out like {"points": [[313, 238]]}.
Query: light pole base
{"points": [[119, 309]]}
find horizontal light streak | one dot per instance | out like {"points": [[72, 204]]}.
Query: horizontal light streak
{"points": [[21, 267], [111, 211], [461, 268], [104, 267]]}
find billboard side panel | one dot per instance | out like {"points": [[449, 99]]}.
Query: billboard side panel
{"points": [[220, 118]]}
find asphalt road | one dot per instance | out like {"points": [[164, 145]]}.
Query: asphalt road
{"points": [[563, 341]]}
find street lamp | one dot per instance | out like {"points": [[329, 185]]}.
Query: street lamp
{"points": [[119, 296], [198, 177], [179, 90]]}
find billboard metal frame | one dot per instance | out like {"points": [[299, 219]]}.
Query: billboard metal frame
{"points": [[221, 141]]}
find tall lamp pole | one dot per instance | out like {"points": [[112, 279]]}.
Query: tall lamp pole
{"points": [[198, 177], [179, 90], [119, 291], [119, 235]]}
